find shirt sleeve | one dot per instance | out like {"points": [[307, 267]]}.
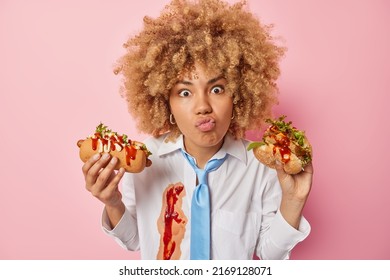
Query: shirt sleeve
{"points": [[282, 237], [277, 237], [125, 233]]}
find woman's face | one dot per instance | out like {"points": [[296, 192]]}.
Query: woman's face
{"points": [[202, 109]]}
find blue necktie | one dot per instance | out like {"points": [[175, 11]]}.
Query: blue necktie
{"points": [[200, 210]]}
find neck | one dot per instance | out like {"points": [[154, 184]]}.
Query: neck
{"points": [[202, 154]]}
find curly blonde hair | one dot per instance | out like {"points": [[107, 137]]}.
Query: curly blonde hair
{"points": [[224, 37]]}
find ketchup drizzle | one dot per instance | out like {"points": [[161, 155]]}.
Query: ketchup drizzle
{"points": [[282, 144], [94, 143], [130, 151]]}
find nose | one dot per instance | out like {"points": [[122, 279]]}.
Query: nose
{"points": [[202, 104]]}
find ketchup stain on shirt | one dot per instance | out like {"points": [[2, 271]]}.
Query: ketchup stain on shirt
{"points": [[172, 222]]}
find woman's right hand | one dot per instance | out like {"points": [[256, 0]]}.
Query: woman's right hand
{"points": [[102, 181]]}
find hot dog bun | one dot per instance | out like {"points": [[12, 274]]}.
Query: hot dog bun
{"points": [[132, 155], [284, 144]]}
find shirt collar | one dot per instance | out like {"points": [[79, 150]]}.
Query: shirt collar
{"points": [[235, 148], [169, 146]]}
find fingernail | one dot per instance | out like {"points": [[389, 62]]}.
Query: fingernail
{"points": [[106, 156], [113, 160], [96, 157]]}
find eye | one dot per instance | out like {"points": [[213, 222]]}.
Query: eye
{"points": [[184, 93], [217, 90]]}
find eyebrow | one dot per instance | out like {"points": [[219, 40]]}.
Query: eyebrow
{"points": [[212, 81]]}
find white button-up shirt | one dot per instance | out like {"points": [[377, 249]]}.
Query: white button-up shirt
{"points": [[245, 198]]}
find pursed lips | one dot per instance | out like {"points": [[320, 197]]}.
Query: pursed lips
{"points": [[203, 121], [205, 124]]}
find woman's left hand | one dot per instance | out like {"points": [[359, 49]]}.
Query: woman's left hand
{"points": [[295, 191], [296, 187]]}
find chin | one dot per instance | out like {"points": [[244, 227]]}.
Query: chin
{"points": [[210, 139]]}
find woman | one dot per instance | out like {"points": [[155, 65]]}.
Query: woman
{"points": [[197, 78]]}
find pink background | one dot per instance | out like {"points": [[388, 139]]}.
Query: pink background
{"points": [[57, 84]]}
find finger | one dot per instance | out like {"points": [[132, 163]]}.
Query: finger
{"points": [[89, 163], [282, 175], [95, 170], [104, 176], [114, 183], [307, 174], [113, 187], [309, 168]]}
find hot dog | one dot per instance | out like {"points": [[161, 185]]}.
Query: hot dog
{"points": [[285, 144], [132, 155]]}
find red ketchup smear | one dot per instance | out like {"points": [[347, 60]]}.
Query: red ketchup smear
{"points": [[94, 143], [170, 216], [131, 152], [113, 141], [283, 146]]}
